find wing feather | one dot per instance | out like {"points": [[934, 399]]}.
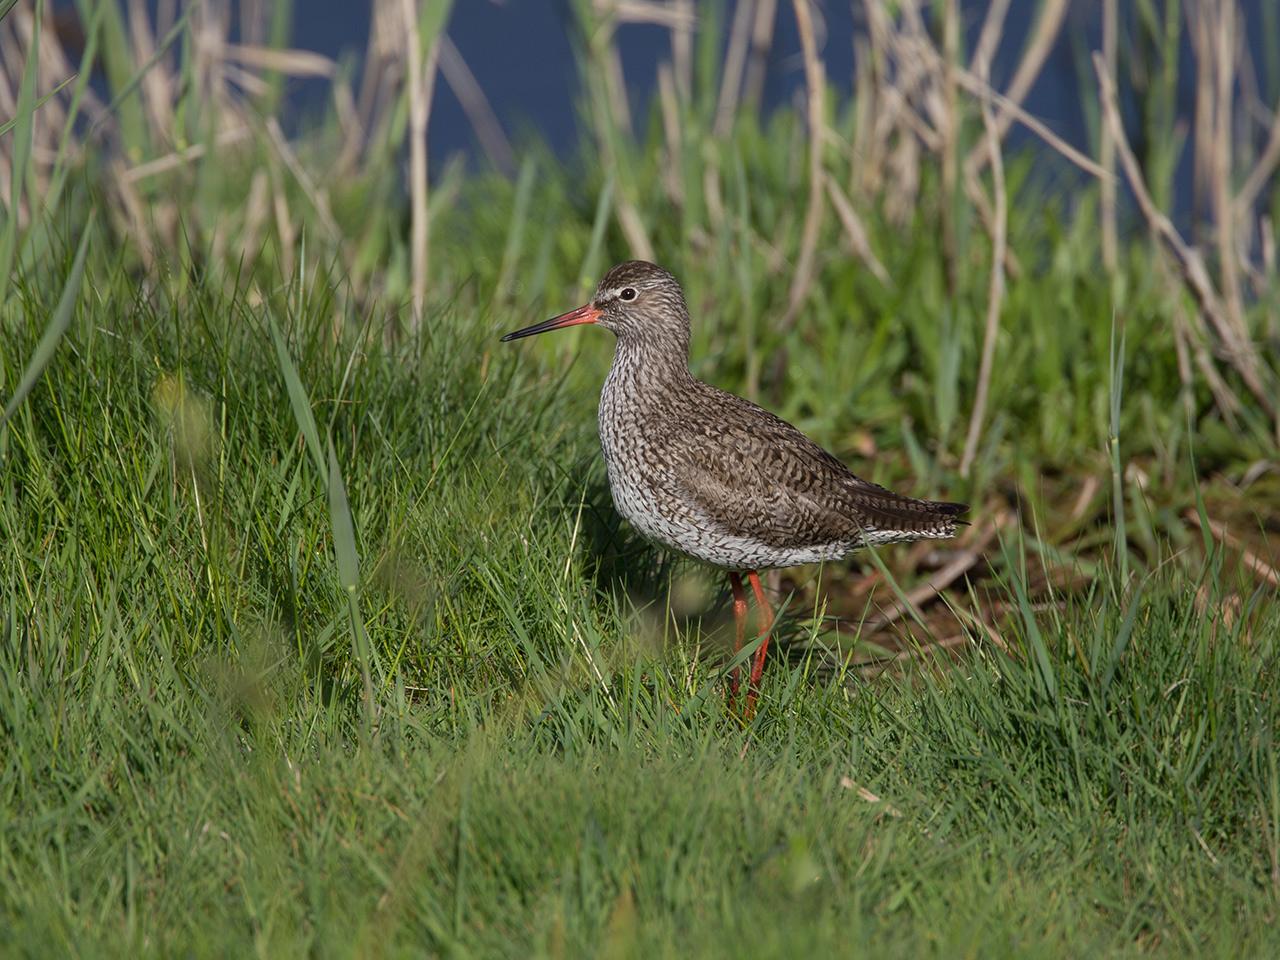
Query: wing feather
{"points": [[761, 478]]}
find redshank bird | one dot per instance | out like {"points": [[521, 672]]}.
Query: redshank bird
{"points": [[714, 476]]}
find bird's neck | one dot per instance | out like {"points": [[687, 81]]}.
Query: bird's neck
{"points": [[650, 362]]}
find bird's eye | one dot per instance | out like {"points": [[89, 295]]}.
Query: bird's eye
{"points": [[628, 293]]}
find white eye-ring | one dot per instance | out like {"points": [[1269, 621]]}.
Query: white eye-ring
{"points": [[628, 293]]}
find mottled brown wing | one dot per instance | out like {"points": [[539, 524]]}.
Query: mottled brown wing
{"points": [[760, 477]]}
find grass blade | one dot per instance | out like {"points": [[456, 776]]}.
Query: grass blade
{"points": [[348, 562], [1116, 381], [10, 124], [298, 400], [344, 529], [58, 325], [162, 49]]}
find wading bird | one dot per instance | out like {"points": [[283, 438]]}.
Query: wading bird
{"points": [[714, 476]]}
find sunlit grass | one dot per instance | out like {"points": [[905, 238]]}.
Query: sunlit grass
{"points": [[552, 768], [319, 633]]}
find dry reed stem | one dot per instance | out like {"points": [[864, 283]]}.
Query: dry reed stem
{"points": [[179, 158], [1198, 32], [605, 52], [917, 59], [995, 293], [671, 14], [1262, 170], [865, 80], [986, 213], [157, 86], [55, 76], [673, 134], [1107, 147], [253, 21], [989, 39], [1088, 490], [1029, 67], [294, 63], [382, 59], [476, 106], [758, 61], [1241, 354], [612, 116], [682, 46], [319, 200], [353, 132], [735, 60], [1224, 536], [904, 58], [1224, 399], [855, 231], [256, 210], [947, 120], [1223, 199], [980, 88], [814, 82], [1267, 231], [421, 81]]}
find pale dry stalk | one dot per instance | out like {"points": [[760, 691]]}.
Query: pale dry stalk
{"points": [[1262, 170], [421, 79], [605, 52], [734, 63], [1107, 146], [855, 231], [613, 118], [989, 39], [1221, 533], [682, 46], [980, 88], [383, 61], [1224, 76], [947, 120], [814, 83], [995, 293], [669, 102], [463, 83], [1240, 353], [1029, 67], [758, 61], [158, 93]]}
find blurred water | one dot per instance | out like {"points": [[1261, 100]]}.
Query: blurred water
{"points": [[523, 57]]}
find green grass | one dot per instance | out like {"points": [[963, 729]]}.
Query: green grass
{"points": [[549, 767], [319, 636]]}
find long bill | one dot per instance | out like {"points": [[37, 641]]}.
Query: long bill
{"points": [[584, 314]]}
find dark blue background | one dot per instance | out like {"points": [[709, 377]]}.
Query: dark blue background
{"points": [[523, 58]]}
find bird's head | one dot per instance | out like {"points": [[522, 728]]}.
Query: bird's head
{"points": [[637, 300]]}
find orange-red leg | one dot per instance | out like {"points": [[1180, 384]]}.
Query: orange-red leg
{"points": [[766, 625], [739, 630]]}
